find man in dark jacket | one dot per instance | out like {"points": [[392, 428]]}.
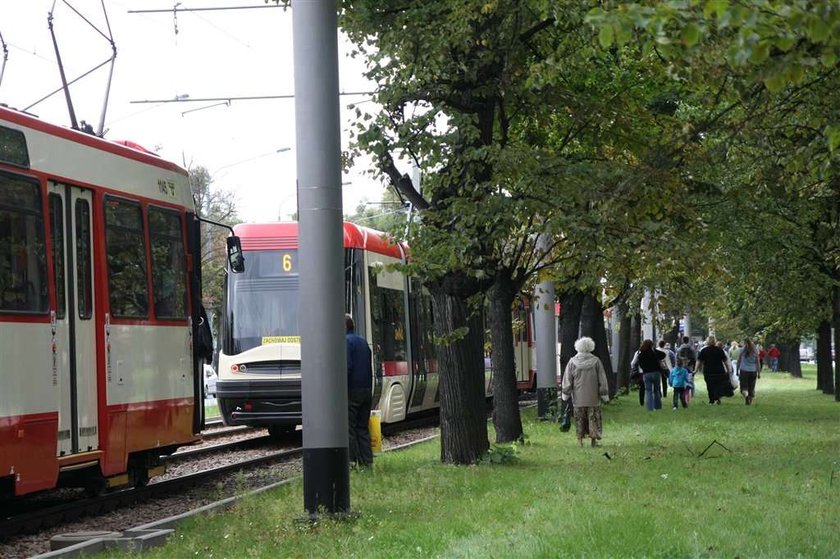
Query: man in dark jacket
{"points": [[359, 379]]}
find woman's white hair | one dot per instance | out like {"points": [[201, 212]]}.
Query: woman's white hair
{"points": [[584, 345]]}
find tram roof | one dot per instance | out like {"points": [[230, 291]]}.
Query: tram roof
{"points": [[123, 148], [284, 234]]}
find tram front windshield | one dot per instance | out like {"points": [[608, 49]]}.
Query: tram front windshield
{"points": [[263, 300]]}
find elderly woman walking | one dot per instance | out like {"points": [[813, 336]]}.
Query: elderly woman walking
{"points": [[585, 382]]}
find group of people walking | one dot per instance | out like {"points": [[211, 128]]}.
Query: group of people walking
{"points": [[724, 370], [657, 368]]}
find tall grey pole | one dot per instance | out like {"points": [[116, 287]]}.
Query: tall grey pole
{"points": [[326, 466], [616, 333], [546, 341]]}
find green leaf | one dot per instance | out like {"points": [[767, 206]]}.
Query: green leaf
{"points": [[832, 134], [605, 36], [690, 35], [785, 43], [717, 7], [594, 16], [760, 53], [818, 29], [794, 73], [623, 33], [828, 59], [775, 83]]}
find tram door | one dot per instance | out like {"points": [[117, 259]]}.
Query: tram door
{"points": [[74, 369]]}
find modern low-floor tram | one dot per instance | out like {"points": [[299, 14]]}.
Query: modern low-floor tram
{"points": [[259, 365]]}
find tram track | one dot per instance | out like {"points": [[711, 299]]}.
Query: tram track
{"points": [[213, 422], [54, 515], [217, 432], [240, 444], [53, 510]]}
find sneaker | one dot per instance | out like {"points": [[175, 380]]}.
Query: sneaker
{"points": [[675, 408]]}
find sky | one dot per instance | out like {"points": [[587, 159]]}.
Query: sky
{"points": [[248, 146]]}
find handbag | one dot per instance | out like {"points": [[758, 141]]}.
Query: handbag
{"points": [[565, 415]]}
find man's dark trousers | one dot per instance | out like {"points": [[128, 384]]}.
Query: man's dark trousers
{"points": [[359, 402]]}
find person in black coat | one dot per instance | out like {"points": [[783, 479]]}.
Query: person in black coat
{"points": [[713, 361]]}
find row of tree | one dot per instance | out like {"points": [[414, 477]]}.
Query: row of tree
{"points": [[218, 205], [684, 148]]}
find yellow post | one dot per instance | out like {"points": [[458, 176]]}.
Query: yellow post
{"points": [[375, 428]]}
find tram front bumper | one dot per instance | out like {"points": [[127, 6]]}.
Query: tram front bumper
{"points": [[259, 402]]}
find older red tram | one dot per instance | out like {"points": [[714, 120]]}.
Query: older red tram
{"points": [[99, 306]]}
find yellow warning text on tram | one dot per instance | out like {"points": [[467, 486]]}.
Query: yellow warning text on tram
{"points": [[280, 340]]}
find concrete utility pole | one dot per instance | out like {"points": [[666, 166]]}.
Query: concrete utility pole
{"points": [[326, 465], [546, 340]]}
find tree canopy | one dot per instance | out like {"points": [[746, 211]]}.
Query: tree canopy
{"points": [[682, 148]]}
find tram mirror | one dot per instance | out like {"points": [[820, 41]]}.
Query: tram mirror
{"points": [[236, 260]]}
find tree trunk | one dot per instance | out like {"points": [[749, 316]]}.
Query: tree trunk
{"points": [[624, 353], [672, 335], [463, 423], [592, 325], [789, 358], [506, 417], [569, 326], [825, 380], [835, 379], [635, 335]]}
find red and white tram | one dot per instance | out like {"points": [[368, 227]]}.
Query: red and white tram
{"points": [[259, 363], [99, 302]]}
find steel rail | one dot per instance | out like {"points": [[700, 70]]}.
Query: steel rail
{"points": [[53, 515]]}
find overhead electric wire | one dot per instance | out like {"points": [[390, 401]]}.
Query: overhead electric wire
{"points": [[244, 98], [5, 57], [217, 8], [374, 216], [224, 32], [71, 82]]}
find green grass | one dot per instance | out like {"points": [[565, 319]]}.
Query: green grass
{"points": [[211, 411], [771, 496]]}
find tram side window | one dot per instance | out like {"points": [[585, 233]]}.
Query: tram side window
{"points": [[125, 244], [169, 271], [84, 297], [23, 266], [57, 237], [388, 315]]}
